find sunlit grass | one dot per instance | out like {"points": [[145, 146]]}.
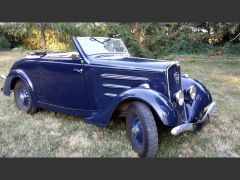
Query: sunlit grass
{"points": [[49, 134]]}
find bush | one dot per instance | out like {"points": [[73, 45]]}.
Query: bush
{"points": [[4, 43], [19, 49], [233, 49], [151, 40], [190, 45]]}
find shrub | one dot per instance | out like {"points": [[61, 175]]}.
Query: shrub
{"points": [[233, 49], [190, 45], [4, 43], [19, 49]]}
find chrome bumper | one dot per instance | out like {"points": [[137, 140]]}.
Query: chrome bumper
{"points": [[197, 125]]}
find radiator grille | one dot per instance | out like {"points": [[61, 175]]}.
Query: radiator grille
{"points": [[174, 80], [174, 85]]}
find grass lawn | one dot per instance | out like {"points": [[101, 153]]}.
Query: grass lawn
{"points": [[49, 134]]}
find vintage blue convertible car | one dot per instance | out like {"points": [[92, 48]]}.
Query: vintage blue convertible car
{"points": [[101, 81]]}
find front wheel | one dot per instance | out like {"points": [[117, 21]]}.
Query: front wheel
{"points": [[142, 129]]}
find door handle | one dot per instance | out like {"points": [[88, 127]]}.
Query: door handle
{"points": [[78, 70]]}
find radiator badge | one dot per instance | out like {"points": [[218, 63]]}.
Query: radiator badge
{"points": [[176, 77]]}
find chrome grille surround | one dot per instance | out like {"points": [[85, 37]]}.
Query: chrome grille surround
{"points": [[173, 88], [168, 79]]}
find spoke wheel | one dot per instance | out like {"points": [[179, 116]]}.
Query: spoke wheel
{"points": [[136, 131], [142, 129], [23, 98]]}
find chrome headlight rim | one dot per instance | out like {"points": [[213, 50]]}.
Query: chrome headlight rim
{"points": [[192, 92], [179, 97]]}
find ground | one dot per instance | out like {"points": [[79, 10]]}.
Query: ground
{"points": [[49, 134]]}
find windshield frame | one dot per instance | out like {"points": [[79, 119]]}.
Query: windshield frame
{"points": [[108, 53]]}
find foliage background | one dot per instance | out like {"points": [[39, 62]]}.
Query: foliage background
{"points": [[143, 39], [50, 134]]}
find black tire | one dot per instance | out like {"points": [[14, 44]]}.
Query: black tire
{"points": [[140, 115], [24, 103]]}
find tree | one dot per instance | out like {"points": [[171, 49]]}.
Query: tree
{"points": [[42, 26]]}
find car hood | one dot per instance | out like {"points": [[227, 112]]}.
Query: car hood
{"points": [[134, 63]]}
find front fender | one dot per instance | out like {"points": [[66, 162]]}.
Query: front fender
{"points": [[203, 98], [158, 102]]}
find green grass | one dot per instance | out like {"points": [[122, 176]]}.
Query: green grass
{"points": [[49, 134]]}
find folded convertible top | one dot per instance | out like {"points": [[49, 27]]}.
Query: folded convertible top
{"points": [[38, 53]]}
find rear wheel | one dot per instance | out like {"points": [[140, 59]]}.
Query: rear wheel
{"points": [[142, 129], [23, 98]]}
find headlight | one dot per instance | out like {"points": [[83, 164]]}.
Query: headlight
{"points": [[179, 96], [192, 91]]}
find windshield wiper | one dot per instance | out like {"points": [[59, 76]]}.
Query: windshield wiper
{"points": [[112, 36], [102, 42], [94, 39], [107, 40]]}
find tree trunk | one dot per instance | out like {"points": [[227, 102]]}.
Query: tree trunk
{"points": [[208, 28], [43, 37], [138, 33]]}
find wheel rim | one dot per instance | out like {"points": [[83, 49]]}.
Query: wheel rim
{"points": [[24, 98], [136, 131]]}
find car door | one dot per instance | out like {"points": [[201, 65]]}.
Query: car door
{"points": [[62, 83]]}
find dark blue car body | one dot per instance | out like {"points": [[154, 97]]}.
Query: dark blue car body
{"points": [[99, 88]]}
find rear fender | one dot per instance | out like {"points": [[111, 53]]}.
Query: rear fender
{"points": [[11, 80]]}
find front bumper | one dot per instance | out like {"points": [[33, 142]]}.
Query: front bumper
{"points": [[197, 125]]}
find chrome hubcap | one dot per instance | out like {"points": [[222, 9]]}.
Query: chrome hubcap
{"points": [[24, 98], [136, 131], [21, 96]]}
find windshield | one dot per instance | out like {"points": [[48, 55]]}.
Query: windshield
{"points": [[102, 45]]}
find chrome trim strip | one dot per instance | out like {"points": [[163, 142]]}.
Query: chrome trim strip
{"points": [[129, 68], [110, 94], [117, 76], [115, 86], [58, 62]]}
